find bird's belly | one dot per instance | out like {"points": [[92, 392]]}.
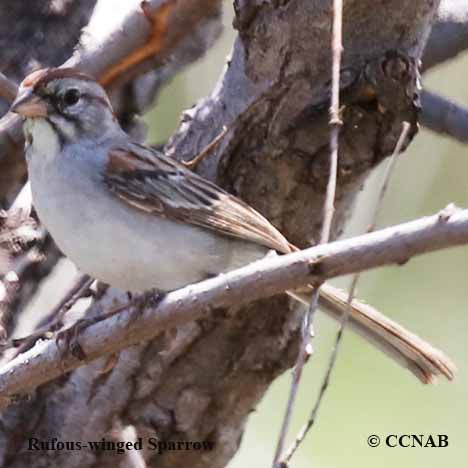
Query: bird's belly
{"points": [[129, 249]]}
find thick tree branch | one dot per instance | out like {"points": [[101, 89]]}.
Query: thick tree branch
{"points": [[448, 38], [394, 245], [443, 116], [449, 34], [156, 31]]}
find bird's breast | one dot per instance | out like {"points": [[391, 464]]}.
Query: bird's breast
{"points": [[120, 245]]}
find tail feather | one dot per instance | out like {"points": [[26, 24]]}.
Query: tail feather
{"points": [[406, 348]]}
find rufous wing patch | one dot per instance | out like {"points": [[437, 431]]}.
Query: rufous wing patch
{"points": [[121, 160], [156, 184]]}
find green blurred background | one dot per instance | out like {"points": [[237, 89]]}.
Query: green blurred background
{"points": [[429, 295]]}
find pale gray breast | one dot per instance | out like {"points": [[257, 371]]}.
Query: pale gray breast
{"points": [[118, 244]]}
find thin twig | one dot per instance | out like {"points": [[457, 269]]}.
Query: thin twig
{"points": [[405, 128], [54, 320], [335, 121], [344, 320], [328, 211], [193, 163], [77, 290]]}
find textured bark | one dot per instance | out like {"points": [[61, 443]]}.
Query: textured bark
{"points": [[201, 381]]}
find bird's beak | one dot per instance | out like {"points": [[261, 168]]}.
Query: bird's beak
{"points": [[28, 104]]}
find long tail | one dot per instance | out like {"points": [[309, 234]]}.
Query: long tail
{"points": [[406, 348]]}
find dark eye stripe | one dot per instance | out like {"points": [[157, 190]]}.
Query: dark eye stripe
{"points": [[63, 139], [73, 120]]}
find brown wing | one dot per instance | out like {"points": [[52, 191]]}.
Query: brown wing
{"points": [[159, 185]]}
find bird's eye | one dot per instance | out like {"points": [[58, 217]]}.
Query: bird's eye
{"points": [[71, 96]]}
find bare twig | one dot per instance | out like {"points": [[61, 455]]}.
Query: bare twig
{"points": [[344, 320], [206, 150], [54, 320], [77, 290], [328, 211], [405, 128], [335, 121], [444, 116], [198, 158], [394, 245]]}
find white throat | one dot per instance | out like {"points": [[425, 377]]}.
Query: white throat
{"points": [[44, 140]]}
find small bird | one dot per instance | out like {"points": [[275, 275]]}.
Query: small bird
{"points": [[133, 218]]}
